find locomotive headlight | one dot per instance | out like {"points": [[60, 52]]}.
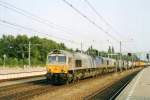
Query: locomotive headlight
{"points": [[49, 70], [62, 71]]}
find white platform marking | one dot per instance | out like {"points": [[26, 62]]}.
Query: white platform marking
{"points": [[134, 86]]}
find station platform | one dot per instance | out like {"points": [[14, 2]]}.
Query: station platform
{"points": [[138, 88], [14, 73]]}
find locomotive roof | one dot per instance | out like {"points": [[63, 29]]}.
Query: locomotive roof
{"points": [[69, 53], [76, 54]]}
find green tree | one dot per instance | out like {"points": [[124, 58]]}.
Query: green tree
{"points": [[16, 49]]}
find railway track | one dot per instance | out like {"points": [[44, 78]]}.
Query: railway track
{"points": [[112, 90], [26, 90]]}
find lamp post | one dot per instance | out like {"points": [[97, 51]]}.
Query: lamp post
{"points": [[23, 58], [4, 56]]}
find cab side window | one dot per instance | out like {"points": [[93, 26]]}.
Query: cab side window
{"points": [[78, 63]]}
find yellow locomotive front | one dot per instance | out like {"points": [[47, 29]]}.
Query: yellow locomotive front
{"points": [[57, 67]]}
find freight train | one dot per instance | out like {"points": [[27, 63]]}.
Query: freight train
{"points": [[64, 66]]}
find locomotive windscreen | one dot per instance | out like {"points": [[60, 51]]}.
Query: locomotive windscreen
{"points": [[51, 59], [61, 59], [57, 59]]}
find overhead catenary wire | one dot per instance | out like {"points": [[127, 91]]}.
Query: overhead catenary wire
{"points": [[40, 20], [6, 25], [33, 30], [89, 20], [36, 18], [33, 17], [21, 14], [102, 18]]}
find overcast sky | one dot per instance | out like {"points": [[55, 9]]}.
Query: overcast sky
{"points": [[129, 17]]}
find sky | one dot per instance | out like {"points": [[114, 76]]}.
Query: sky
{"points": [[129, 20]]}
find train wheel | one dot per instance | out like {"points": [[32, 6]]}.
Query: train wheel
{"points": [[69, 78]]}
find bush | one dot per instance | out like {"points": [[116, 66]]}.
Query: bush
{"points": [[35, 62], [11, 61], [1, 61]]}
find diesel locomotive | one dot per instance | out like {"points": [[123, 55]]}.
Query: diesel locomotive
{"points": [[64, 66]]}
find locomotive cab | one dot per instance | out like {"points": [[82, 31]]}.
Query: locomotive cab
{"points": [[57, 66], [57, 63]]}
